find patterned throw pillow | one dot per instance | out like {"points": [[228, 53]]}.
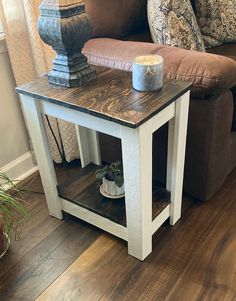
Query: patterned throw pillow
{"points": [[217, 21], [173, 22]]}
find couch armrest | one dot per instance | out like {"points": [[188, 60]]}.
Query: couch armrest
{"points": [[210, 74]]}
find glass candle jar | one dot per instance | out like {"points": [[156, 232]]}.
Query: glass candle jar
{"points": [[147, 73]]}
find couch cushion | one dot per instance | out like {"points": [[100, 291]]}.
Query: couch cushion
{"points": [[116, 18], [141, 36], [228, 50], [210, 74], [173, 23], [217, 21]]}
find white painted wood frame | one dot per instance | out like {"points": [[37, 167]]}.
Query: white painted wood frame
{"points": [[95, 219], [176, 155], [39, 140], [137, 164], [86, 138]]}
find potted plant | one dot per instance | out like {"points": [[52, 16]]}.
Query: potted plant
{"points": [[12, 210], [112, 180]]}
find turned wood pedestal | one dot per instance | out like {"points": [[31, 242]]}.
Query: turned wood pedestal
{"points": [[110, 105]]}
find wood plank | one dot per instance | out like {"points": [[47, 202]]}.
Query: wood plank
{"points": [[113, 209], [44, 249], [194, 260], [176, 156], [39, 139], [107, 250], [94, 219], [176, 250], [79, 182], [89, 146], [83, 189], [42, 243], [39, 226], [110, 96], [194, 291], [217, 279], [41, 266]]}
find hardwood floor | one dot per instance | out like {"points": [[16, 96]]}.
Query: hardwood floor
{"points": [[70, 260]]}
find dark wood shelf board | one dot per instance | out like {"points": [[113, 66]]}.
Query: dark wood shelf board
{"points": [[110, 96], [83, 189]]}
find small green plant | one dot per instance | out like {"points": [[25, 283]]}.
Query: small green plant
{"points": [[12, 208], [112, 172]]}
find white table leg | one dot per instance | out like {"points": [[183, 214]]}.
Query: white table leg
{"points": [[176, 156], [40, 144], [137, 164], [89, 148]]}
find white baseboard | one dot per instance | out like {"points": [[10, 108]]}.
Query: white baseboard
{"points": [[20, 168]]}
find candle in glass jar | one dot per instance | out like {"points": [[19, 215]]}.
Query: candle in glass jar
{"points": [[147, 73]]}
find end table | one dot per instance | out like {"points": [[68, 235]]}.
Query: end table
{"points": [[110, 105]]}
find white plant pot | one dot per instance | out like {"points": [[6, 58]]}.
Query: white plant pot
{"points": [[110, 188]]}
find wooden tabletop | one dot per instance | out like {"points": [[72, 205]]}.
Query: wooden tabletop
{"points": [[110, 96]]}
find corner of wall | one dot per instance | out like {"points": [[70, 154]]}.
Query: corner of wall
{"points": [[20, 168]]}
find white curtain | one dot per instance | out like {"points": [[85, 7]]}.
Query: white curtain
{"points": [[30, 57]]}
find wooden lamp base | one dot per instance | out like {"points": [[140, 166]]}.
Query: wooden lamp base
{"points": [[63, 24], [71, 71]]}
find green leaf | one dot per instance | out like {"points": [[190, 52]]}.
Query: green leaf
{"points": [[12, 209], [119, 180], [111, 172]]}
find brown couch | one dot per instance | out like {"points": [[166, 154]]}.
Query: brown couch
{"points": [[121, 33]]}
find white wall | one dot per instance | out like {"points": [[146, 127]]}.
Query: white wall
{"points": [[15, 156]]}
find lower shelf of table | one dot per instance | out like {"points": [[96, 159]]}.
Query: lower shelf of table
{"points": [[83, 190]]}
